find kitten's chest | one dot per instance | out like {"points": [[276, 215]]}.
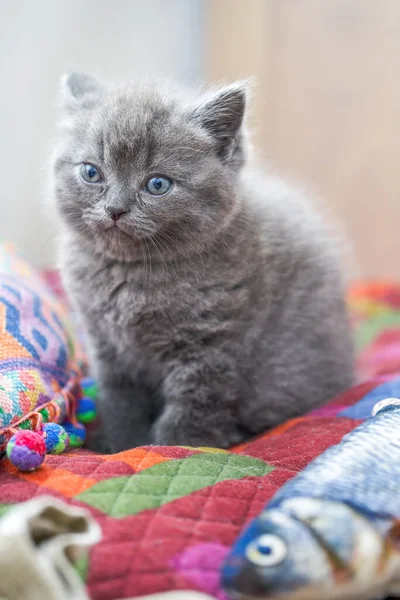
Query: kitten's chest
{"points": [[124, 308], [144, 315]]}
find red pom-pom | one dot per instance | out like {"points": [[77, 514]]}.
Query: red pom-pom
{"points": [[32, 440], [26, 450]]}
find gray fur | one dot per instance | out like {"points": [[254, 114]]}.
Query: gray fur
{"points": [[212, 313]]}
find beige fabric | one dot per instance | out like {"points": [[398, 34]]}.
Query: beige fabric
{"points": [[38, 541]]}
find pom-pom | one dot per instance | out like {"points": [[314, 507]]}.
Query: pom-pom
{"points": [[76, 433], [55, 438], [26, 450], [86, 410], [89, 388]]}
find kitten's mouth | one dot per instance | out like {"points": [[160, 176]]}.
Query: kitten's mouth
{"points": [[113, 225], [116, 229]]}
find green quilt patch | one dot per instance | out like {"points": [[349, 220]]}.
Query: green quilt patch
{"points": [[4, 508], [366, 332], [124, 496], [81, 564]]}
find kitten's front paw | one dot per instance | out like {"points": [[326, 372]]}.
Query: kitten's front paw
{"points": [[175, 428]]}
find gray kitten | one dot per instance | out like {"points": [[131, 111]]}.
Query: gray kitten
{"points": [[211, 293]]}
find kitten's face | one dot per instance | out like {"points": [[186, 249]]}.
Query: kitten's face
{"points": [[139, 167]]}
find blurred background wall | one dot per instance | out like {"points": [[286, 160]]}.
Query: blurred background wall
{"points": [[39, 40], [327, 106], [326, 109]]}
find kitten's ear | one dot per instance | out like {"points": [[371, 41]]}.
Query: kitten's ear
{"points": [[80, 91], [222, 116]]}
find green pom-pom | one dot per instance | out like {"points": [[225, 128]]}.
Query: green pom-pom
{"points": [[76, 433], [89, 388], [86, 410]]}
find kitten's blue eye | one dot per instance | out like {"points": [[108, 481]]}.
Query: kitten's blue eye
{"points": [[157, 186], [90, 173]]}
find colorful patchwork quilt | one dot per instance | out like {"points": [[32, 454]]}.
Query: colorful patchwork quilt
{"points": [[170, 514]]}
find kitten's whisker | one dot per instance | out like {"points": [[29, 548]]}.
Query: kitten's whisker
{"points": [[144, 260], [160, 249], [164, 265], [150, 264], [188, 241], [166, 237], [196, 150]]}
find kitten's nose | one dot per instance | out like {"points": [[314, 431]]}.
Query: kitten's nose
{"points": [[116, 212]]}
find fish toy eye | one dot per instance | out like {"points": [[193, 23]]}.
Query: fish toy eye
{"points": [[266, 551]]}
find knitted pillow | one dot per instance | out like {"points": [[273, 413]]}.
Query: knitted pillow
{"points": [[40, 364]]}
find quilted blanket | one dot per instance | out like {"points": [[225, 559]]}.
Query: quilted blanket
{"points": [[169, 514]]}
